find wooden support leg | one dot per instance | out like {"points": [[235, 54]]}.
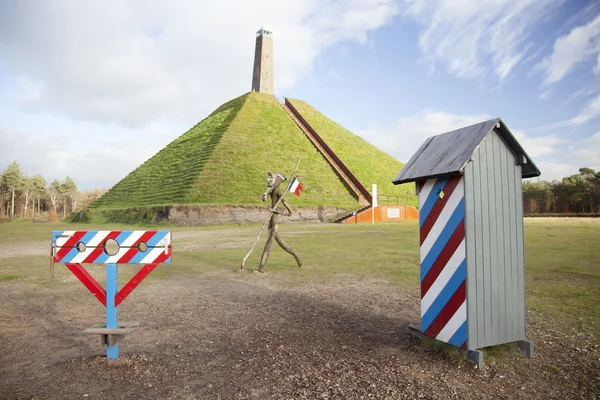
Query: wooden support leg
{"points": [[476, 356], [112, 349], [526, 346]]}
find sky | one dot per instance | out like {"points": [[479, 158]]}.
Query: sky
{"points": [[92, 89]]}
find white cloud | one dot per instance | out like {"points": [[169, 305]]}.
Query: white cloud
{"points": [[584, 153], [590, 112], [552, 155], [134, 61], [99, 87], [537, 146], [404, 138], [579, 45], [471, 37], [97, 160]]}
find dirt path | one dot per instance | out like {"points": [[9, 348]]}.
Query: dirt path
{"points": [[230, 335], [244, 335]]}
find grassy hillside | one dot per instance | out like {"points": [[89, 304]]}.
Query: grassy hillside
{"points": [[368, 163], [225, 158], [167, 177], [263, 138]]}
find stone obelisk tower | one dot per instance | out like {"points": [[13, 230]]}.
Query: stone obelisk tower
{"points": [[262, 78]]}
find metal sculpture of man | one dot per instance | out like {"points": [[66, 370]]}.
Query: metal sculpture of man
{"points": [[274, 180]]}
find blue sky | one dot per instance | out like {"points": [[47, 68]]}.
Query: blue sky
{"points": [[91, 90]]}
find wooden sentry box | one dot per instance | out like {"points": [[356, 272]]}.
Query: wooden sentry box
{"points": [[471, 236]]}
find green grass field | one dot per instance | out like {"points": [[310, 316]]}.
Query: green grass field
{"points": [[562, 260]]}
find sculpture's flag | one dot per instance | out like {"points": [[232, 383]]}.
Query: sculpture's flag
{"points": [[295, 186]]}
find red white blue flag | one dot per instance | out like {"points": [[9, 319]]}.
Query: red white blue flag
{"points": [[295, 186]]}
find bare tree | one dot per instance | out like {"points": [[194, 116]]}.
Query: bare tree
{"points": [[39, 190], [69, 191], [28, 193], [55, 194]]}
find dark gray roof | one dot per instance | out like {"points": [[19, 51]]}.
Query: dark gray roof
{"points": [[447, 154]]}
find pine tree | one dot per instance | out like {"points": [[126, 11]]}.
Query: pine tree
{"points": [[13, 180]]}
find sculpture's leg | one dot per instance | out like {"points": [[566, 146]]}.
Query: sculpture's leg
{"points": [[288, 249], [265, 254]]}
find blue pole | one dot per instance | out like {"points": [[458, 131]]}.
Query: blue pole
{"points": [[111, 310]]}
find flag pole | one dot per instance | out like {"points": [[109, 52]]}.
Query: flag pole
{"points": [[270, 214]]}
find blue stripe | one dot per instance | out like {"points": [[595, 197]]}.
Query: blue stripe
{"points": [[120, 239], [74, 252], [56, 234], [167, 261], [434, 196], [101, 258], [438, 304], [112, 288], [69, 256], [437, 248], [139, 256], [153, 241], [158, 236], [460, 336], [123, 236], [87, 237]]}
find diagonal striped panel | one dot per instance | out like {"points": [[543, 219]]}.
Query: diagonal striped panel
{"points": [[443, 259], [134, 247]]}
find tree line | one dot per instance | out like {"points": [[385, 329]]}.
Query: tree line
{"points": [[575, 194], [31, 196]]}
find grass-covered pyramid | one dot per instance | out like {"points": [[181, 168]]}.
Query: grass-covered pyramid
{"points": [[224, 160]]}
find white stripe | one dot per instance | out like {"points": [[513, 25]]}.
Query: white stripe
{"points": [[294, 185], [424, 193], [442, 280], [90, 246], [114, 259], [60, 242], [152, 256], [82, 256], [442, 220], [459, 317], [98, 238], [135, 235]]}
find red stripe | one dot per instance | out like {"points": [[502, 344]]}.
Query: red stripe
{"points": [[133, 283], [420, 185], [448, 311], [438, 207], [134, 250], [100, 249], [464, 345], [88, 281], [439, 264], [162, 257], [69, 244]]}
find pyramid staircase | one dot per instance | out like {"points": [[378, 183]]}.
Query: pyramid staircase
{"points": [[357, 189], [347, 177]]}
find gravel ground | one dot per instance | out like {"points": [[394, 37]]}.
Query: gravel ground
{"points": [[245, 335]]}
